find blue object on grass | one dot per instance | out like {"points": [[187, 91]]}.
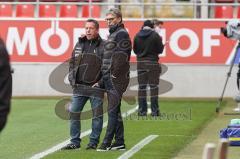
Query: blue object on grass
{"points": [[232, 133]]}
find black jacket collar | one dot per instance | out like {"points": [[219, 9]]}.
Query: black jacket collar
{"points": [[116, 27], [96, 41]]}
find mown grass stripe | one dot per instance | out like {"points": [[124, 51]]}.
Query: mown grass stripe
{"points": [[64, 143], [137, 147]]}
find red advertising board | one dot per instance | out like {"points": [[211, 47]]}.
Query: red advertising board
{"points": [[53, 40]]}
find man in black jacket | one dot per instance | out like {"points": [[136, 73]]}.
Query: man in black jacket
{"points": [[84, 71], [5, 85], [115, 70], [147, 46]]}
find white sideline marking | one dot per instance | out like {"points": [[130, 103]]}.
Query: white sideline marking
{"points": [[64, 143], [137, 147]]}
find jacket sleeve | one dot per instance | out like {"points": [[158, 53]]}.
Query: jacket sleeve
{"points": [[159, 44], [5, 88], [121, 55], [135, 49], [124, 43], [71, 67]]}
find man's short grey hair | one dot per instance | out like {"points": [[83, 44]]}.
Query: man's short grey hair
{"points": [[115, 11]]}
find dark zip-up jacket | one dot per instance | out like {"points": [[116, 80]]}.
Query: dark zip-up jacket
{"points": [[86, 60], [147, 45], [117, 51], [5, 85]]}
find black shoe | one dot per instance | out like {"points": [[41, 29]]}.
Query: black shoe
{"points": [[91, 147], [70, 146], [117, 146], [104, 147]]}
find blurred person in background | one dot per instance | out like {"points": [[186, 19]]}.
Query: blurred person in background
{"points": [[157, 24], [5, 84], [147, 46]]}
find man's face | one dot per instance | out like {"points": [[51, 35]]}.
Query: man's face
{"points": [[112, 20], [91, 30]]}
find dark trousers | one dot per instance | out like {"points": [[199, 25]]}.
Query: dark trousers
{"points": [[115, 127], [148, 75]]}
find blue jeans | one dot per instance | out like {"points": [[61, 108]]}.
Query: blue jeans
{"points": [[78, 103]]}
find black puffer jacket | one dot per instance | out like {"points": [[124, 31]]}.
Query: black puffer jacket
{"points": [[86, 60], [5, 85], [147, 45], [117, 51]]}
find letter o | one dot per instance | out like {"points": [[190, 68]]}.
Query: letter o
{"points": [[194, 42], [54, 51]]}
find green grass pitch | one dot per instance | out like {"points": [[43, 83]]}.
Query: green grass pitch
{"points": [[34, 127]]}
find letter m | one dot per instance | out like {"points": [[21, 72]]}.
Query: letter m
{"points": [[21, 44]]}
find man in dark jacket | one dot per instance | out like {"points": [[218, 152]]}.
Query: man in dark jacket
{"points": [[147, 46], [84, 71], [5, 85], [115, 70]]}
